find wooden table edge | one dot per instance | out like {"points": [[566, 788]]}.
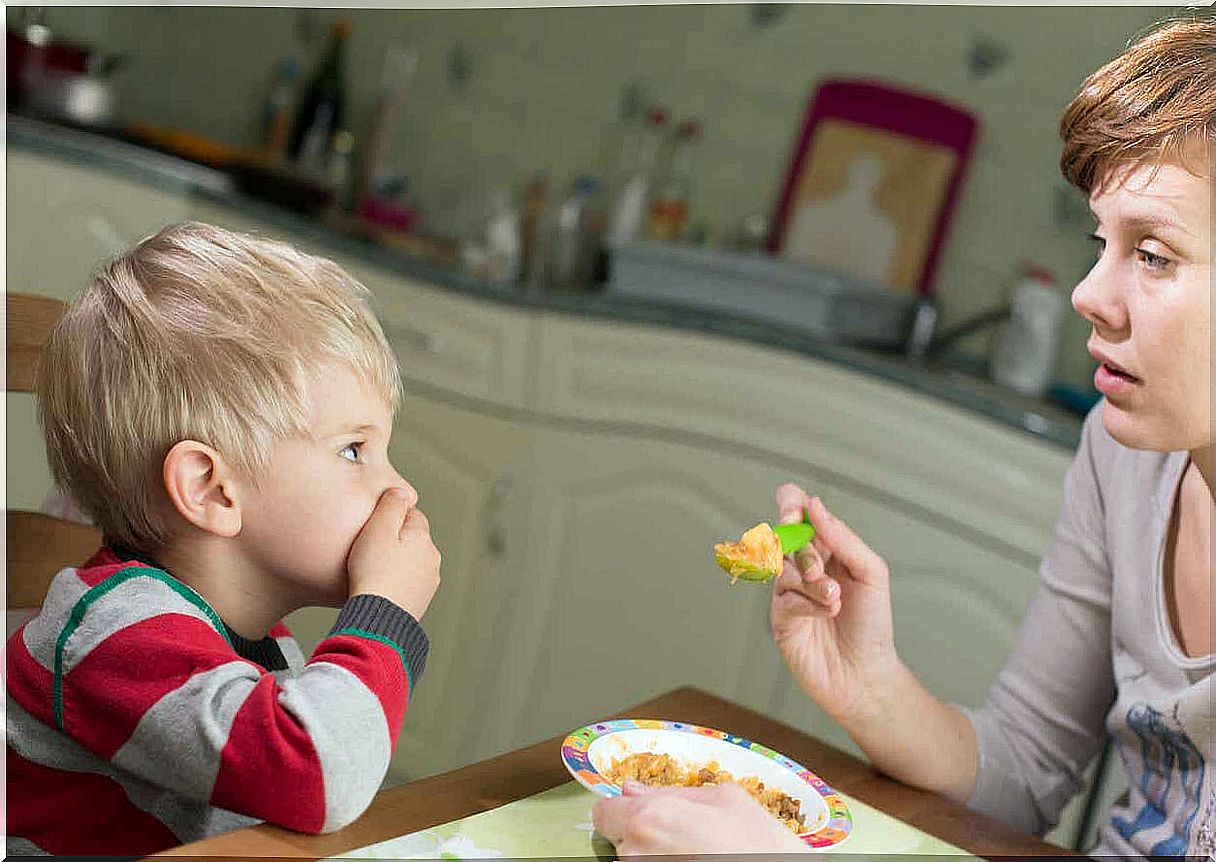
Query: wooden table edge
{"points": [[484, 785]]}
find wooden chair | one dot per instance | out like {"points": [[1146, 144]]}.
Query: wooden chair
{"points": [[38, 545]]}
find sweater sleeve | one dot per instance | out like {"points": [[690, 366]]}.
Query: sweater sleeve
{"points": [[144, 676], [1042, 722]]}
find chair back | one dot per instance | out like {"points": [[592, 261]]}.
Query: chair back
{"points": [[37, 545]]}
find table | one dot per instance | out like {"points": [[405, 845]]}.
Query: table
{"points": [[481, 786]]}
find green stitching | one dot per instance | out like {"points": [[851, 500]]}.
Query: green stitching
{"points": [[364, 633], [76, 617]]}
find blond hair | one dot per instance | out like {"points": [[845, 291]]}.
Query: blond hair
{"points": [[1151, 104], [195, 333]]}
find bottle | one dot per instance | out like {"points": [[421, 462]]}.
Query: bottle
{"points": [[669, 208], [323, 105], [575, 242], [535, 234], [633, 201], [400, 64], [276, 113], [503, 238], [1025, 355], [341, 169]]}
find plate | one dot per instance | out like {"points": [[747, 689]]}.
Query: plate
{"points": [[589, 751]]}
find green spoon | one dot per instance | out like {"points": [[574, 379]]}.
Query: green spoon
{"points": [[794, 537]]}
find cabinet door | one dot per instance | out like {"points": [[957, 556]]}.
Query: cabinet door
{"points": [[64, 221], [468, 471], [963, 470], [621, 599], [624, 601]]}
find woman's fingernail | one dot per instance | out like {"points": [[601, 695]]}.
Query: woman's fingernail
{"points": [[828, 590]]}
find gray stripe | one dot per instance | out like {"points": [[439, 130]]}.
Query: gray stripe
{"points": [[292, 652], [43, 744], [131, 602], [335, 707], [188, 727], [46, 745], [42, 631]]}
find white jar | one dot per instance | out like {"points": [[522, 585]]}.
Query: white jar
{"points": [[1024, 358]]}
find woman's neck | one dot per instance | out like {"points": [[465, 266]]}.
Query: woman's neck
{"points": [[1202, 459]]}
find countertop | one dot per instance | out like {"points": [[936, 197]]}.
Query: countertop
{"points": [[949, 380]]}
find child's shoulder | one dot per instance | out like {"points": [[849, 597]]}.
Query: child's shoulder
{"points": [[113, 596]]}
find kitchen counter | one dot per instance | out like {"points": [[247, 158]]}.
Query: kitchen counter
{"points": [[947, 381]]}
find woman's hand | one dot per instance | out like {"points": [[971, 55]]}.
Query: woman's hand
{"points": [[721, 818], [831, 613]]}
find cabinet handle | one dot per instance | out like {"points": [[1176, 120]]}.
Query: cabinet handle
{"points": [[417, 340]]}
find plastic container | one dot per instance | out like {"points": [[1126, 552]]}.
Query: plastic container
{"points": [[1024, 358], [764, 288]]}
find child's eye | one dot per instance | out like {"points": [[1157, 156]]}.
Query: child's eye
{"points": [[1155, 262], [354, 450]]}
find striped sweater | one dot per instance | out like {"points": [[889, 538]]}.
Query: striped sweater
{"points": [[136, 720]]}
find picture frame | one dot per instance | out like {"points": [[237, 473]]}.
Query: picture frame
{"points": [[872, 183]]}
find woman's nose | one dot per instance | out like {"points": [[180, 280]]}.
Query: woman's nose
{"points": [[1097, 299]]}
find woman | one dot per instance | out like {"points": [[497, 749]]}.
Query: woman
{"points": [[1118, 637]]}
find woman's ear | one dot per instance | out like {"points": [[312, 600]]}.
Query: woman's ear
{"points": [[203, 488]]}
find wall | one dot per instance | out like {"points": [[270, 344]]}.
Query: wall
{"points": [[545, 86]]}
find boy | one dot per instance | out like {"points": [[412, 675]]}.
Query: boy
{"points": [[221, 406]]}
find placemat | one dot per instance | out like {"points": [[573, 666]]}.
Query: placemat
{"points": [[557, 823]]}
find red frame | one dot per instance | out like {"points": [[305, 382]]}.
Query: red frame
{"points": [[904, 112]]}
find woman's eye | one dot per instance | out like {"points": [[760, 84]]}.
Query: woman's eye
{"points": [[1099, 242], [351, 451], [1153, 261]]}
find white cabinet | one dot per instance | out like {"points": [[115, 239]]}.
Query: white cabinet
{"points": [[947, 464], [621, 598], [445, 343], [63, 222]]}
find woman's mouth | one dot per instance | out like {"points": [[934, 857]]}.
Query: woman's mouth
{"points": [[1111, 379]]}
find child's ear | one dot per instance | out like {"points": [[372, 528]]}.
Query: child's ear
{"points": [[202, 488]]}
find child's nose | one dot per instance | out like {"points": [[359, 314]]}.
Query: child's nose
{"points": [[410, 492]]}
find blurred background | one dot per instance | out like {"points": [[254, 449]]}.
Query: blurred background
{"points": [[640, 264]]}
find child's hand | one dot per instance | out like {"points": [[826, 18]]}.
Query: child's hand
{"points": [[393, 555], [831, 612]]}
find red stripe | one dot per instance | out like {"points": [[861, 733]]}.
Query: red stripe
{"points": [[28, 682], [78, 813], [268, 749], [108, 692], [280, 630], [378, 666]]}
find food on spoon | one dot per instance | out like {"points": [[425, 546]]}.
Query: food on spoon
{"points": [[665, 770], [755, 557]]}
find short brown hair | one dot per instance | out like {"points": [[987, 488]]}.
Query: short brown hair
{"points": [[195, 333], [1148, 105]]}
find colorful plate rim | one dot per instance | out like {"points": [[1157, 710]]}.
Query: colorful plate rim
{"points": [[575, 756]]}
